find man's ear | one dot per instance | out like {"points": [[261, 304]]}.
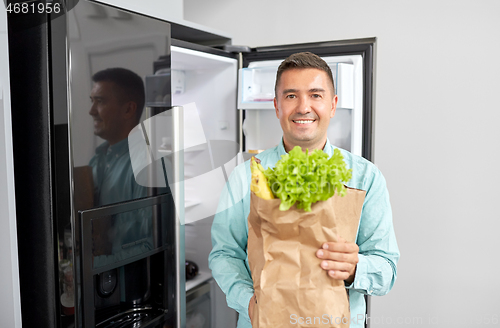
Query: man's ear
{"points": [[334, 105], [130, 109], [276, 108]]}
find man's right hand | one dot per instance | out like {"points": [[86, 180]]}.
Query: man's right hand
{"points": [[251, 305]]}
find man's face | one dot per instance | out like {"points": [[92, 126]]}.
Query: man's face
{"points": [[108, 111], [304, 104]]}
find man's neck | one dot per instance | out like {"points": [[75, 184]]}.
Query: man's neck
{"points": [[114, 142], [123, 134]]}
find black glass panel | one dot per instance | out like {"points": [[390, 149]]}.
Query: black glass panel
{"points": [[126, 235], [126, 260], [113, 55], [126, 228]]}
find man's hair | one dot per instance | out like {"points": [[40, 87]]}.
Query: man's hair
{"points": [[303, 60], [130, 85]]}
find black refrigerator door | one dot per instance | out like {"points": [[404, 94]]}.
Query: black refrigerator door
{"points": [[363, 47], [123, 211], [71, 155]]}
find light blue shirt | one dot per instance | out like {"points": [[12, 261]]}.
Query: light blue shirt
{"points": [[114, 179], [378, 249], [114, 182]]}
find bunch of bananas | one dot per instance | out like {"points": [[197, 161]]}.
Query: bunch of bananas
{"points": [[259, 181]]}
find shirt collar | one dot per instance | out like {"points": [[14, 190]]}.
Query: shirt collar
{"points": [[328, 149], [118, 148]]}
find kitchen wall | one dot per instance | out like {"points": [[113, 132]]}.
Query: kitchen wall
{"points": [[436, 137]]}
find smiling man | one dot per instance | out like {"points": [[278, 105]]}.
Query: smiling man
{"points": [[305, 101], [118, 99]]}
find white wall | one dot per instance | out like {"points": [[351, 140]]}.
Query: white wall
{"points": [[436, 137], [10, 302]]}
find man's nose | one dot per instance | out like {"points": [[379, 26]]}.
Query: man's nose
{"points": [[304, 105], [93, 109]]}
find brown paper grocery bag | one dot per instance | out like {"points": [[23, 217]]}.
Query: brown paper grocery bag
{"points": [[291, 288]]}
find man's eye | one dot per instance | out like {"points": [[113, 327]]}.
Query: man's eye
{"points": [[290, 96], [316, 95]]}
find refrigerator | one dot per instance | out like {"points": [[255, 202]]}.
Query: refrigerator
{"points": [[208, 107]]}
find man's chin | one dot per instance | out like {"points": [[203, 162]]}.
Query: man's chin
{"points": [[303, 140], [98, 133], [302, 137]]}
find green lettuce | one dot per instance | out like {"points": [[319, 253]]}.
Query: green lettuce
{"points": [[305, 178]]}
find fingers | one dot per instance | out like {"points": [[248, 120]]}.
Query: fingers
{"points": [[339, 258], [339, 275], [251, 306], [341, 247], [350, 257], [340, 270], [336, 266]]}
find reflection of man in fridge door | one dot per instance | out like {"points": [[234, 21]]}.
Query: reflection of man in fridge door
{"points": [[305, 101], [118, 99], [117, 103]]}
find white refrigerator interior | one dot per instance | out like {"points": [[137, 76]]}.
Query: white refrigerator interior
{"points": [[209, 81], [261, 126]]}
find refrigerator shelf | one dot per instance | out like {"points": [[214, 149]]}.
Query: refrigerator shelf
{"points": [[135, 317], [200, 278]]}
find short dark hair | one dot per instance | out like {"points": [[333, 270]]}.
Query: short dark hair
{"points": [[130, 84], [303, 60]]}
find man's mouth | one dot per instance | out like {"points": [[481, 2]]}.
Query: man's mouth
{"points": [[304, 121]]}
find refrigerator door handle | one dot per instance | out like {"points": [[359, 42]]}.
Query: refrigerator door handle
{"points": [[240, 118], [178, 195]]}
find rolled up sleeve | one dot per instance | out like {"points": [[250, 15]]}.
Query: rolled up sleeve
{"points": [[378, 250]]}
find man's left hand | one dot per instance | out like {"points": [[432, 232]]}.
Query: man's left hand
{"points": [[339, 259]]}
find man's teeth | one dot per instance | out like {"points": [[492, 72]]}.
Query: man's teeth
{"points": [[304, 122]]}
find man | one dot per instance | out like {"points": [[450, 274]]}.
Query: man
{"points": [[305, 101], [118, 99], [117, 102]]}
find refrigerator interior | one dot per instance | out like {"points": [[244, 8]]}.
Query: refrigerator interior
{"points": [[209, 81], [261, 127]]}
